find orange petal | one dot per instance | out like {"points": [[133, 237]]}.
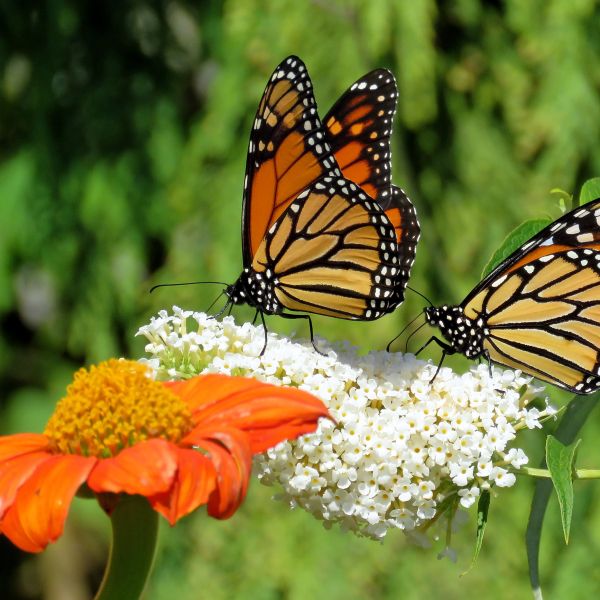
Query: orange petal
{"points": [[38, 514], [195, 480], [277, 415], [268, 414], [231, 455], [147, 469], [246, 403], [209, 389], [14, 473], [21, 443], [263, 439]]}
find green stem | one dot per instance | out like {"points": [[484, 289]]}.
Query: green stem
{"points": [[134, 537], [545, 474], [587, 474]]}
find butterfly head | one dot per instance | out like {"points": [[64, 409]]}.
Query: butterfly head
{"points": [[465, 335], [256, 290]]}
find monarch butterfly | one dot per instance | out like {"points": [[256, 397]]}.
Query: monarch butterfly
{"points": [[320, 236], [539, 310]]}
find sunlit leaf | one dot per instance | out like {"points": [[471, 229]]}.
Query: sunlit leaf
{"points": [[514, 240], [590, 190], [559, 459], [483, 507], [565, 199], [573, 420]]}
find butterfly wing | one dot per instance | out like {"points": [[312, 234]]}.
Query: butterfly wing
{"points": [[287, 152], [402, 215], [333, 252], [541, 306], [359, 126]]}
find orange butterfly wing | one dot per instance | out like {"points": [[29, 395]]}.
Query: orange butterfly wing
{"points": [[402, 215], [287, 152], [358, 127]]}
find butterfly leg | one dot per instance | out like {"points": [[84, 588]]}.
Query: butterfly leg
{"points": [[310, 326], [446, 350], [443, 345], [228, 305], [262, 318], [487, 357], [439, 366], [212, 304], [256, 317]]}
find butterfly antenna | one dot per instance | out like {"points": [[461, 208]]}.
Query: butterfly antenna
{"points": [[387, 348], [419, 294], [154, 287]]}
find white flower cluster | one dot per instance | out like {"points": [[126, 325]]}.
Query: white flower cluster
{"points": [[399, 445]]}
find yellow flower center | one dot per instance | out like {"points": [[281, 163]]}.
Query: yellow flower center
{"points": [[112, 406]]}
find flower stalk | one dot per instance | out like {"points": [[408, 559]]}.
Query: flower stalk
{"points": [[545, 473], [132, 550]]}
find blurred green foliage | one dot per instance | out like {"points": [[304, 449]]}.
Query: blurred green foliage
{"points": [[123, 133]]}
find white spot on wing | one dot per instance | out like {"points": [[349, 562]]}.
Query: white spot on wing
{"points": [[499, 281], [585, 237]]}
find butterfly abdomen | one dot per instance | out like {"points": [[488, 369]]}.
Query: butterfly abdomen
{"points": [[465, 335]]}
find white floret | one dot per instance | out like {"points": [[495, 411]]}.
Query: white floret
{"points": [[399, 444]]}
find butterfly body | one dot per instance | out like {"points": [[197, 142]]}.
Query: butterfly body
{"points": [[465, 335], [256, 290], [539, 310]]}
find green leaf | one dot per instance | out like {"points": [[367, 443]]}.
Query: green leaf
{"points": [[566, 201], [573, 420], [562, 194], [590, 190], [514, 240], [482, 514], [559, 459]]}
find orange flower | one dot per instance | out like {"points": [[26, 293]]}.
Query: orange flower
{"points": [[180, 444]]}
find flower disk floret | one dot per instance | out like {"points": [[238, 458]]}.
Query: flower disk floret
{"points": [[401, 446]]}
